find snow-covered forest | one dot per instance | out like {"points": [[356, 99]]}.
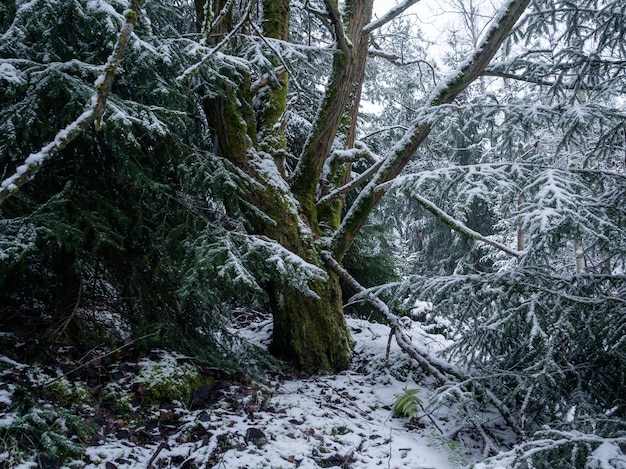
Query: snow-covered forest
{"points": [[210, 206]]}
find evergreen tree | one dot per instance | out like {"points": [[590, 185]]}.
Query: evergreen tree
{"points": [[226, 165], [230, 96]]}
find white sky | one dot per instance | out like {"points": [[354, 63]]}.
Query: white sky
{"points": [[438, 17]]}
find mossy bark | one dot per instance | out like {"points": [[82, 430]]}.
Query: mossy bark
{"points": [[314, 329], [273, 95], [309, 331], [339, 106]]}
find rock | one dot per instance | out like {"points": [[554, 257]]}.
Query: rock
{"points": [[255, 436]]}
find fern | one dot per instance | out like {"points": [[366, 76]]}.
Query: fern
{"points": [[407, 404]]}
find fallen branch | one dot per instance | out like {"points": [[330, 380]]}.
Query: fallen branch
{"points": [[442, 371], [436, 368], [100, 357]]}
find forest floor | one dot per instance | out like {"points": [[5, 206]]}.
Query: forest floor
{"points": [[120, 412]]}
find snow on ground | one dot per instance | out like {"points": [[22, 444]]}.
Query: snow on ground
{"points": [[341, 420]]}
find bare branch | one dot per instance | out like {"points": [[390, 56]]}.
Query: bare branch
{"points": [[459, 227], [384, 129], [527, 79]]}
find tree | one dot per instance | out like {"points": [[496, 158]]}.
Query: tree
{"points": [[537, 333], [242, 79], [229, 170]]}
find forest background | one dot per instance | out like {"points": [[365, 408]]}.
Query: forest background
{"points": [[168, 163]]}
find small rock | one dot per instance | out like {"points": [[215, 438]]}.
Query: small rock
{"points": [[204, 416], [255, 436]]}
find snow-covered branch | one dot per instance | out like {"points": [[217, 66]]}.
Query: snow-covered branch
{"points": [[460, 227], [391, 14], [400, 154], [195, 67], [352, 184], [438, 369], [442, 371], [35, 161]]}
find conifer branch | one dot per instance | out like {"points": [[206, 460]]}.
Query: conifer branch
{"points": [[25, 172], [238, 27], [460, 227]]}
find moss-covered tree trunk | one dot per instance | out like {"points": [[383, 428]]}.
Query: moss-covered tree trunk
{"points": [[309, 330], [248, 125]]}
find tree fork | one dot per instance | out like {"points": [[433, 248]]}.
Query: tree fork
{"points": [[401, 153], [309, 330], [348, 69]]}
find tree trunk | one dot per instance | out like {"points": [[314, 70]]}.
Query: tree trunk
{"points": [[340, 103], [309, 331]]}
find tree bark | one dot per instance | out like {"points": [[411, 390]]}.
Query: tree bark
{"points": [[398, 157], [340, 100], [309, 331]]}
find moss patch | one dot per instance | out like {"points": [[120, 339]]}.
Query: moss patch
{"points": [[65, 393], [165, 380]]}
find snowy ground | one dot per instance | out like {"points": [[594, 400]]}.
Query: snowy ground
{"points": [[342, 420]]}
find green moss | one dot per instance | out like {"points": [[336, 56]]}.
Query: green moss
{"points": [[276, 18], [131, 15], [166, 381], [65, 393], [119, 400], [330, 212], [311, 332]]}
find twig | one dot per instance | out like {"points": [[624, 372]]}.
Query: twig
{"points": [[156, 453], [100, 357], [66, 324], [388, 351], [430, 418], [347, 401]]}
